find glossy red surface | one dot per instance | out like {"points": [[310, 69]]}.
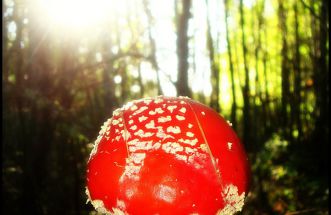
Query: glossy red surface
{"points": [[167, 155]]}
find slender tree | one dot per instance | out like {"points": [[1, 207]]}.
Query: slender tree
{"points": [[321, 85], [246, 87], [256, 25], [229, 49], [5, 65], [266, 100], [284, 70], [110, 101], [297, 74], [153, 45], [183, 16], [140, 81], [214, 67], [125, 83]]}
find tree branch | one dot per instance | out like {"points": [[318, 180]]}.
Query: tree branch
{"points": [[311, 10]]}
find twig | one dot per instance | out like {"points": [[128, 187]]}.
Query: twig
{"points": [[311, 10], [302, 211]]}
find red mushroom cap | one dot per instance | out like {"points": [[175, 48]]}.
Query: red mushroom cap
{"points": [[167, 155]]}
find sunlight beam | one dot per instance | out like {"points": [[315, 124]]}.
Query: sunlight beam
{"points": [[75, 14]]}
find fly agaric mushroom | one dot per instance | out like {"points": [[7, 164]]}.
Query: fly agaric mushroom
{"points": [[167, 155]]}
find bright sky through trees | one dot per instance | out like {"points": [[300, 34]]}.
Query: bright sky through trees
{"points": [[83, 18]]}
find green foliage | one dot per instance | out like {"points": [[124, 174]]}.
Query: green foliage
{"points": [[288, 187]]}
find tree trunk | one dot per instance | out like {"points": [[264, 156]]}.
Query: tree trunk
{"points": [[246, 87], [322, 89], [297, 75], [5, 63], [258, 130], [183, 17], [110, 101], [140, 81], [233, 85], [266, 100], [214, 68], [125, 84], [153, 45], [284, 72]]}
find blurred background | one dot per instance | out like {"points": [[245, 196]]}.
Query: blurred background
{"points": [[67, 64]]}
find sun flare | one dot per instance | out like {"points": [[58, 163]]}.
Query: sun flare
{"points": [[76, 14], [78, 19]]}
